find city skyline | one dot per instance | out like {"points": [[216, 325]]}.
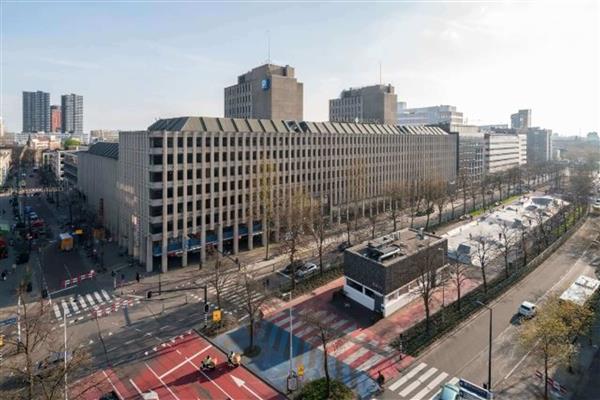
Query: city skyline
{"points": [[488, 60]]}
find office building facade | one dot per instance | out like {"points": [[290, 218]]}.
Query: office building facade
{"points": [[443, 114], [470, 150], [36, 112], [267, 92], [55, 119], [72, 113], [502, 152], [189, 182], [521, 119], [370, 104], [539, 146]]}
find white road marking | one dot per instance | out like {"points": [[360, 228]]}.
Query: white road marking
{"points": [[406, 377], [89, 299], [106, 296], [431, 386], [56, 311], [161, 381], [81, 302], [136, 387], [355, 355], [113, 386], [208, 377], [418, 382], [98, 298], [186, 360]]}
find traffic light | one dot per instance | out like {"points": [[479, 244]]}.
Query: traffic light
{"points": [[206, 308], [149, 294]]}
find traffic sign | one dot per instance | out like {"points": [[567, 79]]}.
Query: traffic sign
{"points": [[216, 315], [9, 321], [301, 370]]}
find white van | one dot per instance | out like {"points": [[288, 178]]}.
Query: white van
{"points": [[527, 309]]}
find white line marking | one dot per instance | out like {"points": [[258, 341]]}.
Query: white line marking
{"points": [[186, 360], [418, 382], [98, 298], [113, 386], [431, 386], [136, 387], [106, 296], [355, 355], [406, 377], [56, 311], [161, 381], [89, 299]]}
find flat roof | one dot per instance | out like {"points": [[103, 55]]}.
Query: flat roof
{"points": [[581, 290], [395, 246]]}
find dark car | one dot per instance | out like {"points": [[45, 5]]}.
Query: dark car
{"points": [[22, 258], [293, 267], [343, 246]]}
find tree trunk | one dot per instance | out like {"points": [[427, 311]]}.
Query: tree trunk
{"points": [[395, 216], [266, 232], [427, 321], [427, 222], [326, 368], [484, 279], [546, 375], [251, 328], [321, 255], [458, 295]]}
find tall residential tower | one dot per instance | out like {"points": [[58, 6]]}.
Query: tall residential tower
{"points": [[36, 112], [72, 113]]}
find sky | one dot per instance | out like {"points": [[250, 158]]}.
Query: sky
{"points": [[138, 61]]}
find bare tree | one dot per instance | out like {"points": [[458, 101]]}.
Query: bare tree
{"points": [[354, 192], [219, 277], [506, 242], [372, 221], [463, 182], [457, 273], [317, 226], [325, 333], [440, 190], [253, 296], [395, 193], [483, 252], [426, 282], [430, 194], [296, 219], [452, 197], [484, 186], [414, 199], [25, 372]]}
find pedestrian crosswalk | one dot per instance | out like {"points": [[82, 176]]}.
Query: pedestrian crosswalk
{"points": [[75, 305], [420, 382]]}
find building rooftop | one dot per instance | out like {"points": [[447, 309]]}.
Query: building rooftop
{"points": [[389, 249], [212, 124], [105, 149]]}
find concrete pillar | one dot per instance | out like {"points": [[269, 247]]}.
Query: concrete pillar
{"points": [[250, 234], [164, 263], [220, 237], [236, 241], [149, 257], [202, 243], [184, 257], [264, 232]]}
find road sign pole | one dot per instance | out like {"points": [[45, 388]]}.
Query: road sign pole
{"points": [[65, 330], [19, 320]]}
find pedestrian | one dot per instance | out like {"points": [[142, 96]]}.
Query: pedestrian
{"points": [[122, 277], [380, 380], [267, 282], [137, 277]]}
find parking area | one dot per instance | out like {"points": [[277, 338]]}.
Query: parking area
{"points": [[171, 371]]}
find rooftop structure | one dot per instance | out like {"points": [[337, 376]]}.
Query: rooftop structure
{"points": [[443, 114], [380, 274], [370, 104], [581, 290]]}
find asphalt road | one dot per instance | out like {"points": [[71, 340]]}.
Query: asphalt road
{"points": [[464, 352]]}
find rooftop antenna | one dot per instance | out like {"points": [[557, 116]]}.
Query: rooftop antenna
{"points": [[268, 46], [380, 73]]}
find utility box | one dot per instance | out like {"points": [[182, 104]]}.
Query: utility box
{"points": [[66, 242]]}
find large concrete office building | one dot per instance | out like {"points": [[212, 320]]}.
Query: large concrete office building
{"points": [[539, 146], [443, 114], [267, 92], [471, 144], [503, 151], [521, 119], [72, 113], [36, 112], [369, 104], [55, 119], [189, 182]]}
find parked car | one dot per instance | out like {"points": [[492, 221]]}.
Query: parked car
{"points": [[343, 246], [527, 309], [52, 361], [306, 270], [449, 392], [293, 267]]}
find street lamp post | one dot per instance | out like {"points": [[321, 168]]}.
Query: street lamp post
{"points": [[291, 369], [489, 385]]}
